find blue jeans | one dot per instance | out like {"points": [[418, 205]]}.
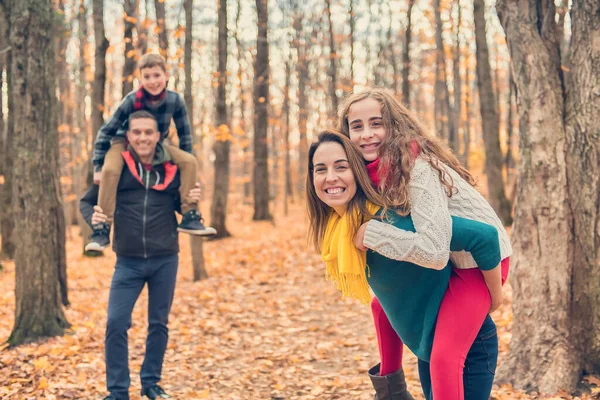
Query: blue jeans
{"points": [[129, 278], [480, 365]]}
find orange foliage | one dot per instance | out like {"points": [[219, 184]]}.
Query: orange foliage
{"points": [[265, 325]]}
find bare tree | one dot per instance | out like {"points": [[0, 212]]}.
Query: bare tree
{"points": [[489, 119], [302, 76], [36, 194], [99, 74], [161, 22], [556, 265], [129, 20], [406, 55], [222, 142], [6, 215], [332, 61], [260, 176]]}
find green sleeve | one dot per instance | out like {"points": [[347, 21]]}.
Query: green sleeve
{"points": [[479, 239]]}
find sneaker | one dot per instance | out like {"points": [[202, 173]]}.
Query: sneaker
{"points": [[99, 239], [192, 224], [155, 392]]}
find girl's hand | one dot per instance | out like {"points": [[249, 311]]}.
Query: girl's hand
{"points": [[359, 237], [497, 300]]}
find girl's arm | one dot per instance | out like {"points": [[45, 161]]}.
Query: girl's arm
{"points": [[481, 240], [429, 246]]}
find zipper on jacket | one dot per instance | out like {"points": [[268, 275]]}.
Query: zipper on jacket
{"points": [[147, 175]]}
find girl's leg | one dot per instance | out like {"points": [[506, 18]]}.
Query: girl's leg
{"points": [[462, 312], [390, 345], [188, 168]]}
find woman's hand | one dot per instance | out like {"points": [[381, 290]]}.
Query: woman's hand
{"points": [[359, 237]]}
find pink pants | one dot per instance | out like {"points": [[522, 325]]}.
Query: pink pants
{"points": [[462, 311]]}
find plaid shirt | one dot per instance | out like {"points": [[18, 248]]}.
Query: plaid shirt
{"points": [[173, 107]]}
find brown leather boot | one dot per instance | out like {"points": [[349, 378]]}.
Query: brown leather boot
{"points": [[389, 387]]}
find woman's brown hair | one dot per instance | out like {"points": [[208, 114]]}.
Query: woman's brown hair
{"points": [[397, 150], [318, 211]]}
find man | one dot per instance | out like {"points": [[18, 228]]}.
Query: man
{"points": [[146, 243]]}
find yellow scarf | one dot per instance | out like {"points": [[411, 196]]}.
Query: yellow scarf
{"points": [[345, 264]]}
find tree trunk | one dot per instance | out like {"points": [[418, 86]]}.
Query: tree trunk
{"points": [[196, 242], [556, 268], [406, 56], [65, 121], [99, 74], [222, 142], [509, 160], [302, 76], [82, 120], [6, 215], [36, 195], [453, 139], [441, 127], [142, 30], [332, 61], [161, 23], [489, 119], [288, 192], [243, 100], [129, 20], [467, 125], [352, 22], [260, 176]]}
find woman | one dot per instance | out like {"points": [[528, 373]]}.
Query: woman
{"points": [[340, 198]]}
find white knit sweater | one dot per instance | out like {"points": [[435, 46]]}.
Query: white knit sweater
{"points": [[431, 211]]}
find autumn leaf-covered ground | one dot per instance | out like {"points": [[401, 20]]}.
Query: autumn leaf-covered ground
{"points": [[265, 325]]}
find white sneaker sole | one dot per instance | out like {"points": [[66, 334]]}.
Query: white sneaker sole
{"points": [[205, 232], [94, 247]]}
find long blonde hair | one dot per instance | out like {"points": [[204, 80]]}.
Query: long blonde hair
{"points": [[318, 211], [396, 156]]}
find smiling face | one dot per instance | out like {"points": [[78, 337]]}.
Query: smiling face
{"points": [[153, 79], [333, 179], [365, 125], [143, 137]]}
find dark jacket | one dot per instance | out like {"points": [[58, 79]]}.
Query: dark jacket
{"points": [[144, 222]]}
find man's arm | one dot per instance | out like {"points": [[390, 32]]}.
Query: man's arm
{"points": [[182, 123], [87, 203], [116, 124]]}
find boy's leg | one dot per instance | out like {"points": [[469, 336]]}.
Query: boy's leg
{"points": [[127, 284], [188, 167], [107, 194], [462, 312], [161, 288], [111, 174], [480, 366]]}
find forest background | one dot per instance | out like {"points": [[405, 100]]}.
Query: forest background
{"points": [[513, 87]]}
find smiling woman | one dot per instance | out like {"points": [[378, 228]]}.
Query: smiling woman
{"points": [[332, 184]]}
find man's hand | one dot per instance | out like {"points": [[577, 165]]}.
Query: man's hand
{"points": [[196, 193], [97, 177], [359, 237], [98, 216]]}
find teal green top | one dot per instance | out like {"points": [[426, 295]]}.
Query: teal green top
{"points": [[411, 295]]}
